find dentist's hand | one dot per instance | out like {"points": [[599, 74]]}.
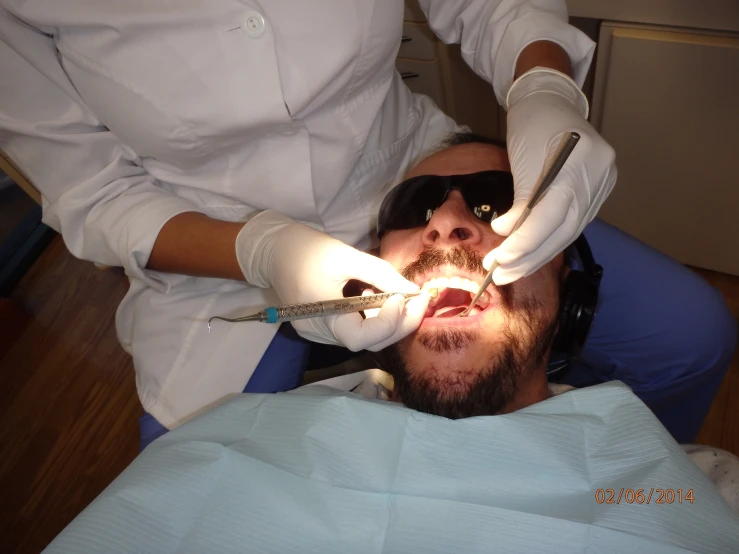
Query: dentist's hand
{"points": [[543, 105], [305, 265]]}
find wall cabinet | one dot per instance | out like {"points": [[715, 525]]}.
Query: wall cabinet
{"points": [[666, 100], [430, 67]]}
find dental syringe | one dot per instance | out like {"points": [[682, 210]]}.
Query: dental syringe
{"points": [[291, 312]]}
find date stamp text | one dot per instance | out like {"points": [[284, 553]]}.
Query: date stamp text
{"points": [[644, 496]]}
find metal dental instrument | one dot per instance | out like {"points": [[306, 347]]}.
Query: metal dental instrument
{"points": [[536, 196], [278, 314]]}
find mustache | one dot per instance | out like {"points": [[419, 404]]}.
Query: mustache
{"points": [[461, 256]]}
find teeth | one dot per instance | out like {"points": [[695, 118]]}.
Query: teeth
{"points": [[462, 283], [451, 283]]}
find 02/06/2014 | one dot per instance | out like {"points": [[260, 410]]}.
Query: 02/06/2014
{"points": [[643, 496]]}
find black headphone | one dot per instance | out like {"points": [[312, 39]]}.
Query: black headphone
{"points": [[578, 301]]}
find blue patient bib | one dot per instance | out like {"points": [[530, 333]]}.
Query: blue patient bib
{"points": [[320, 471]]}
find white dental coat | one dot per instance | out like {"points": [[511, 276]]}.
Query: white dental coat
{"points": [[126, 113]]}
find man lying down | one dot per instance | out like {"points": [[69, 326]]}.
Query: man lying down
{"points": [[373, 468], [434, 228]]}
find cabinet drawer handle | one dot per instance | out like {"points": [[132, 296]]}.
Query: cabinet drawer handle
{"points": [[406, 38], [409, 75]]}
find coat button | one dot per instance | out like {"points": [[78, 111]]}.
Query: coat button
{"points": [[253, 24]]}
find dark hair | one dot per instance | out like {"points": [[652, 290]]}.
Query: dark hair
{"points": [[468, 138]]}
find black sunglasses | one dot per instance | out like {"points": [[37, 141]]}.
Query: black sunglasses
{"points": [[488, 194]]}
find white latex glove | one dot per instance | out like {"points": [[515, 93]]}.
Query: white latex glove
{"points": [[543, 105], [305, 265]]}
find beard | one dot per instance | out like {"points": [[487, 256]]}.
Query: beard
{"points": [[526, 337]]}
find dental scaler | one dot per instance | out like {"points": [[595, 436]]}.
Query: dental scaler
{"points": [[278, 314]]}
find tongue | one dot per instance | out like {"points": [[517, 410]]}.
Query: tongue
{"points": [[451, 302]]}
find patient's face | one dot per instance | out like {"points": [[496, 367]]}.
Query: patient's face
{"points": [[494, 360]]}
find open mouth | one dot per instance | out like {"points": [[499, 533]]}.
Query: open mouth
{"points": [[454, 295]]}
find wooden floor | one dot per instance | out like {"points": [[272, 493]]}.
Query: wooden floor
{"points": [[68, 405], [721, 427], [68, 409]]}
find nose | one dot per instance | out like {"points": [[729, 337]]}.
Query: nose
{"points": [[451, 224]]}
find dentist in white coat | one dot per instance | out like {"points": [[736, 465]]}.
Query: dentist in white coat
{"points": [[230, 155]]}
